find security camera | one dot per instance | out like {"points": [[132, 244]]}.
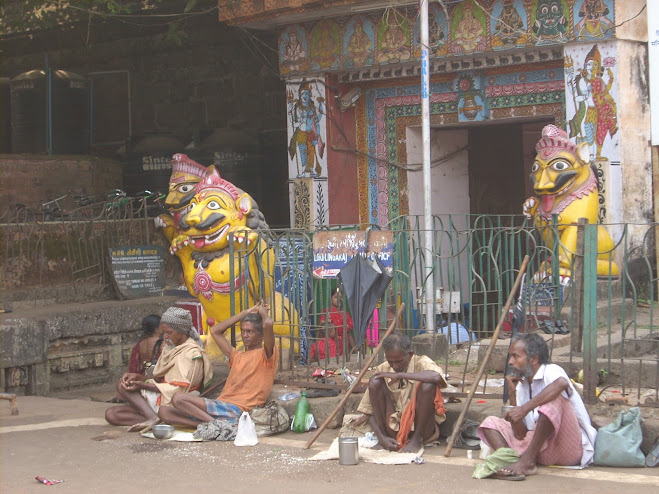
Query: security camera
{"points": [[350, 98]]}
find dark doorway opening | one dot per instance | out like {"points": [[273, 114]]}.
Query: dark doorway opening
{"points": [[500, 160]]}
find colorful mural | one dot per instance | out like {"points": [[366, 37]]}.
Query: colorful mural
{"points": [[293, 50], [508, 25], [468, 29], [387, 109], [437, 33], [307, 166], [394, 44], [593, 19], [591, 107], [550, 21], [306, 128], [392, 35], [325, 44], [358, 42]]}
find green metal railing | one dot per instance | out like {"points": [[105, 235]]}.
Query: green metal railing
{"points": [[475, 260]]}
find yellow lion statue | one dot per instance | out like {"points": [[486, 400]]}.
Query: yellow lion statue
{"points": [[206, 211], [566, 185]]}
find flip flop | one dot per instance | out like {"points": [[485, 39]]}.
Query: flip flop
{"points": [[508, 476], [462, 442], [469, 430], [652, 460]]}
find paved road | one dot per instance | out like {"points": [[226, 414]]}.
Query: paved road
{"points": [[69, 440]]}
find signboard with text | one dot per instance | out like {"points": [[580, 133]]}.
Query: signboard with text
{"points": [[333, 249], [139, 271]]}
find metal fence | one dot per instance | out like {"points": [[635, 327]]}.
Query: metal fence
{"points": [[612, 322]]}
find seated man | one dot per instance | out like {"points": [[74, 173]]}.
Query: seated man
{"points": [[549, 424], [183, 366], [251, 376], [403, 399]]}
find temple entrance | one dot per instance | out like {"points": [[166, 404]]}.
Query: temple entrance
{"points": [[500, 160], [479, 170]]}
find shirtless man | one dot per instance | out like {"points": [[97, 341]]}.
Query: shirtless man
{"points": [[405, 380]]}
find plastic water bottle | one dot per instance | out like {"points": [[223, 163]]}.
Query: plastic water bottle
{"points": [[301, 410]]}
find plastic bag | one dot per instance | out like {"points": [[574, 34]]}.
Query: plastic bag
{"points": [[270, 419], [309, 422], [246, 435], [619, 443]]}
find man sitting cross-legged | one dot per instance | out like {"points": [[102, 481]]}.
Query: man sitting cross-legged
{"points": [[403, 400], [251, 376], [549, 424], [183, 367]]}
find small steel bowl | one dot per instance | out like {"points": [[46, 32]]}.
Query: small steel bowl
{"points": [[162, 431]]}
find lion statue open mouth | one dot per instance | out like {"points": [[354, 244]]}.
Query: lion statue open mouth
{"points": [[223, 243], [565, 185]]}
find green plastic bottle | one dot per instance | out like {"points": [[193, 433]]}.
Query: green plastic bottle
{"points": [[301, 410]]}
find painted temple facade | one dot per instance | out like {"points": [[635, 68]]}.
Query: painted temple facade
{"points": [[500, 71]]}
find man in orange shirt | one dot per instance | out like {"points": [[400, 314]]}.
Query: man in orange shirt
{"points": [[251, 376]]}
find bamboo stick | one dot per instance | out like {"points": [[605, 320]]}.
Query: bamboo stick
{"points": [[352, 387], [470, 396]]}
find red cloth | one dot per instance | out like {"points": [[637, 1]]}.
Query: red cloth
{"points": [[336, 318], [562, 447], [134, 364], [319, 351]]}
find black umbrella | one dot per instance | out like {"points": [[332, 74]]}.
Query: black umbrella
{"points": [[364, 282]]}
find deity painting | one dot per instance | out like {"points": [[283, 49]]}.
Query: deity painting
{"points": [[549, 21], [293, 50], [593, 19], [394, 44], [468, 29], [358, 43], [437, 33], [325, 46], [306, 109], [472, 105], [592, 92], [508, 25]]}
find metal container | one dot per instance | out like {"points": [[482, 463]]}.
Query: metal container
{"points": [[49, 112], [505, 409], [348, 451], [162, 431]]}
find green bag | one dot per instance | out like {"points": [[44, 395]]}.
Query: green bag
{"points": [[619, 443]]}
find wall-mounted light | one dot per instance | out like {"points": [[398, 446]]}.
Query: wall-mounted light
{"points": [[350, 98]]}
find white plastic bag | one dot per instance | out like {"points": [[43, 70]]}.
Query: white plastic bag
{"points": [[246, 435]]}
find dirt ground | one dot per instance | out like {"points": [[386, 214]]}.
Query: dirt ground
{"points": [[67, 439]]}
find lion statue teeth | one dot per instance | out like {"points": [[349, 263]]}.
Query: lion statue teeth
{"points": [[207, 212], [565, 185]]}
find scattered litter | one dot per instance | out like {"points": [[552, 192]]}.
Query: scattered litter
{"points": [[481, 401], [494, 383], [47, 481], [419, 460], [289, 396]]}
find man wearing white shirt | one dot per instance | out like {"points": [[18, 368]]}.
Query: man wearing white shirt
{"points": [[548, 424]]}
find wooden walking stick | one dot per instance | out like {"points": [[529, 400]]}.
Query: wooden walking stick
{"points": [[504, 313], [356, 382]]}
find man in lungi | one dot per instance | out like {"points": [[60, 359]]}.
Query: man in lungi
{"points": [[548, 424], [403, 401], [250, 380]]}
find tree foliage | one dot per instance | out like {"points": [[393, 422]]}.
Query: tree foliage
{"points": [[22, 17]]}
